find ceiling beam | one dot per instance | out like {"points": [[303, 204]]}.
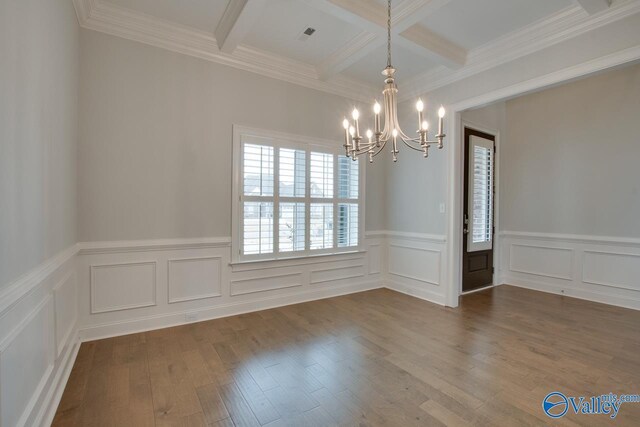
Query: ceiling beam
{"points": [[594, 6], [425, 42], [371, 16], [236, 22]]}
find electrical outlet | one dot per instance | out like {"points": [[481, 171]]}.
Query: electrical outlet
{"points": [[191, 317]]}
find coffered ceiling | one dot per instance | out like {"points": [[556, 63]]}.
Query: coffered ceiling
{"points": [[435, 42]]}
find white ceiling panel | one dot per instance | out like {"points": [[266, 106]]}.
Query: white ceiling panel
{"points": [[283, 21], [472, 23], [200, 14], [407, 64]]}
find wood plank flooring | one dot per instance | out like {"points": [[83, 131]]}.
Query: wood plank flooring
{"points": [[376, 358]]}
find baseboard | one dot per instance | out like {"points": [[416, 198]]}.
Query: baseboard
{"points": [[54, 396], [571, 292], [149, 323], [416, 292]]}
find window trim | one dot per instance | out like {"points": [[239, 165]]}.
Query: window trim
{"points": [[286, 140]]}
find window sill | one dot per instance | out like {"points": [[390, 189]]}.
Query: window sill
{"points": [[292, 261]]}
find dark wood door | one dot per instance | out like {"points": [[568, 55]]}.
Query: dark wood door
{"points": [[478, 223]]}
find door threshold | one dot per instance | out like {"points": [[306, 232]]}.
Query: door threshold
{"points": [[478, 290]]}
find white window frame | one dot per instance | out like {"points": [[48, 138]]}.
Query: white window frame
{"points": [[285, 140]]}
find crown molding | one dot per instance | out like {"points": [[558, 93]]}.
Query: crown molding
{"points": [[106, 17], [118, 21], [561, 26]]}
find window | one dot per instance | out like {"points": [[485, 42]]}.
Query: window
{"points": [[295, 197]]}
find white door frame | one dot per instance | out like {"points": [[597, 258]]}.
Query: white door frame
{"points": [[496, 197], [453, 263]]}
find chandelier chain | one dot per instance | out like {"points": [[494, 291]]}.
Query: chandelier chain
{"points": [[389, 33]]}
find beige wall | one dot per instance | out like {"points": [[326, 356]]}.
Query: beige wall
{"points": [[156, 138], [38, 132], [570, 161]]}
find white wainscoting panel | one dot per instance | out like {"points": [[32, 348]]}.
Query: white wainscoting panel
{"points": [[123, 286], [31, 345], [613, 269], [38, 341], [65, 297], [265, 283], [347, 269], [194, 278], [415, 265], [596, 268], [375, 258], [541, 260]]}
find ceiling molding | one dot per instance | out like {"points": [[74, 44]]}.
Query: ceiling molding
{"points": [[561, 26], [237, 21], [118, 21], [594, 6], [356, 49]]}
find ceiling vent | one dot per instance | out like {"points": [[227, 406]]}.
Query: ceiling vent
{"points": [[304, 36]]}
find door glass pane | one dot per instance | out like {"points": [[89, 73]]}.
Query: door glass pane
{"points": [[482, 196]]}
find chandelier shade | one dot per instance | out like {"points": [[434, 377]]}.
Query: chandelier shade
{"points": [[378, 138]]}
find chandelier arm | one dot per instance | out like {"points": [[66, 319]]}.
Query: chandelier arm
{"points": [[380, 149], [409, 145]]}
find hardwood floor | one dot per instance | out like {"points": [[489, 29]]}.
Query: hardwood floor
{"points": [[373, 358]]}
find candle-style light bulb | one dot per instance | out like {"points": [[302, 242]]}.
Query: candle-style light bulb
{"points": [[345, 125], [369, 134], [425, 125], [440, 121], [352, 131], [394, 151], [376, 117], [376, 108], [420, 108], [356, 115]]}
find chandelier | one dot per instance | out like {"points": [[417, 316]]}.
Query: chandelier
{"points": [[378, 138]]}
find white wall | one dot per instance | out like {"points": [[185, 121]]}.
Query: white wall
{"points": [[155, 176], [571, 161], [155, 138], [570, 189], [39, 61], [38, 127]]}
